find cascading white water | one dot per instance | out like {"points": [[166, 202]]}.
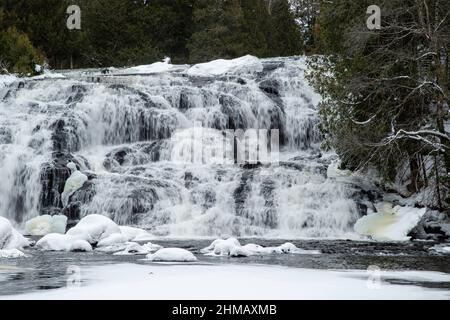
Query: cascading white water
{"points": [[124, 130]]}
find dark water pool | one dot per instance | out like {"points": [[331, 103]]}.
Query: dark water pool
{"points": [[48, 270]]}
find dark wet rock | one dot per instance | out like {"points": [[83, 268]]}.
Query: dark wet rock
{"points": [[54, 175], [232, 108], [242, 191], [64, 136], [76, 95], [269, 66], [270, 87], [270, 215], [119, 155], [80, 197], [250, 166], [185, 101], [433, 226]]}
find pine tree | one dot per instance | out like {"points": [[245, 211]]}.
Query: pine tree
{"points": [[386, 91]]}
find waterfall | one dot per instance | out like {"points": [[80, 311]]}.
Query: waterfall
{"points": [[133, 136]]}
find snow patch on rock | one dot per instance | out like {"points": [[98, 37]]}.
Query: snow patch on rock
{"points": [[172, 255], [55, 242], [94, 228], [136, 234], [232, 247], [75, 182], [157, 67], [134, 248], [239, 66]]}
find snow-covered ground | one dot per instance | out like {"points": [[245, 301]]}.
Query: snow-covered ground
{"points": [[199, 282]]}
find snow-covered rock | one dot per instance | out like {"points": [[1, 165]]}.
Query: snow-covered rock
{"points": [[286, 248], [42, 225], [223, 247], [172, 255], [75, 182], [115, 238], [157, 67], [389, 223], [136, 234], [232, 247], [10, 238], [136, 249], [11, 254], [80, 246], [239, 66], [94, 228], [55, 242]]}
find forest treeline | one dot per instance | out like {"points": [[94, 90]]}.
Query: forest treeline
{"points": [[131, 32]]}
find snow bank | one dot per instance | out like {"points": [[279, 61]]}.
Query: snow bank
{"points": [[389, 223], [94, 228], [75, 182], [232, 247], [157, 67], [43, 225], [243, 65], [10, 238], [11, 254], [172, 255]]}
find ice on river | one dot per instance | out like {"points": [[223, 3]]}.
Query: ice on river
{"points": [[200, 282]]}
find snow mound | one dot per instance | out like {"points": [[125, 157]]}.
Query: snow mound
{"points": [[157, 67], [239, 66], [389, 223], [42, 225], [136, 234], [11, 254], [115, 238], [172, 255], [80, 246], [134, 248], [55, 242], [10, 238], [232, 247], [94, 228], [75, 182]]}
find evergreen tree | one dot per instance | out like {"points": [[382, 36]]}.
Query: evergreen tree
{"points": [[218, 30], [386, 91], [17, 54]]}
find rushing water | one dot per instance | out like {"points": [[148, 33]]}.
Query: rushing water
{"points": [[122, 132]]}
